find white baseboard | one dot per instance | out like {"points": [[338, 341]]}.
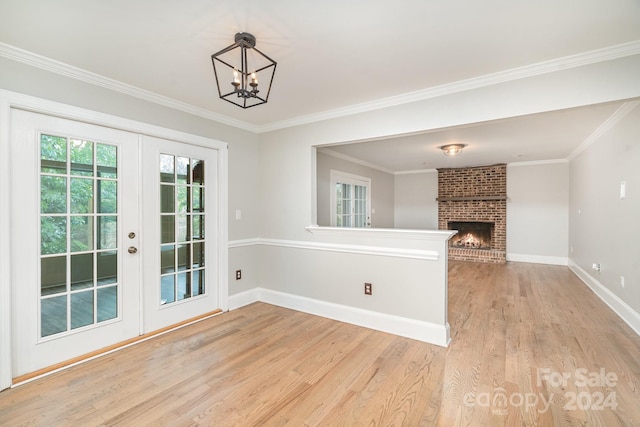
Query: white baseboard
{"points": [[415, 329], [621, 308], [244, 298], [538, 259]]}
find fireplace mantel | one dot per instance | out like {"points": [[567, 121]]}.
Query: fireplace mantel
{"points": [[469, 198]]}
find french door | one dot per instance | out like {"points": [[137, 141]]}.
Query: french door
{"points": [[179, 209], [105, 244]]}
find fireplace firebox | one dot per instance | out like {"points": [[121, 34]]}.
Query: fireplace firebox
{"points": [[472, 235]]}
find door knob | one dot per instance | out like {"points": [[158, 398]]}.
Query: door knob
{"points": [[132, 235], [133, 249]]}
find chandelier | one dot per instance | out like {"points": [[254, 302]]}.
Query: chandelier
{"points": [[243, 74]]}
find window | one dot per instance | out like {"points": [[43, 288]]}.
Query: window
{"points": [[350, 200]]}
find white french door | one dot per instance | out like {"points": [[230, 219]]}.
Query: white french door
{"points": [[85, 273], [179, 200]]}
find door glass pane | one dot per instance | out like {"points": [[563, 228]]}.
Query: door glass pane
{"points": [[81, 233], [167, 229], [198, 254], [107, 232], [184, 228], [184, 286], [107, 268], [53, 154], [81, 157], [167, 259], [81, 271], [184, 257], [182, 170], [53, 196], [107, 303], [198, 282], [198, 171], [167, 198], [181, 265], [198, 199], [167, 289], [107, 161], [53, 235], [181, 199], [167, 168], [71, 228], [81, 309], [107, 196], [53, 315], [53, 275], [198, 227], [81, 195]]}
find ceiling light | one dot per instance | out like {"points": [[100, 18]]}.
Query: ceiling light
{"points": [[452, 149], [239, 68]]}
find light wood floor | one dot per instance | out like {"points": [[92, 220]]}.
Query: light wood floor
{"points": [[265, 365]]}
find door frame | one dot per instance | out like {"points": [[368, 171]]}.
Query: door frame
{"points": [[12, 100]]}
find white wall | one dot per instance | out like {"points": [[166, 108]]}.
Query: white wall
{"points": [[604, 228], [287, 161], [538, 212], [381, 189], [415, 204]]}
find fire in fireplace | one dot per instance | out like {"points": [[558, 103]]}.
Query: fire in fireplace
{"points": [[473, 235]]}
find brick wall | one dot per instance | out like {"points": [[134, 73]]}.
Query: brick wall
{"points": [[484, 190]]}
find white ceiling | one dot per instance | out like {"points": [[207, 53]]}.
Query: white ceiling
{"points": [[332, 55]]}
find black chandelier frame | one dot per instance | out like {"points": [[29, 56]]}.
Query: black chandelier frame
{"points": [[244, 91]]}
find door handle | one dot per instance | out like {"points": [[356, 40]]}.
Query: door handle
{"points": [[133, 249]]}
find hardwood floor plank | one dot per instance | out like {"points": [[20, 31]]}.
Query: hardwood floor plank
{"points": [[516, 329]]}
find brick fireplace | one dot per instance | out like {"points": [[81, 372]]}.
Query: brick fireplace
{"points": [[474, 201]]}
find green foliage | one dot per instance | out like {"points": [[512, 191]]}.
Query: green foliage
{"points": [[77, 165]]}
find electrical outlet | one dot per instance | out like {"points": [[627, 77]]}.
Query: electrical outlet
{"points": [[622, 281], [238, 274], [368, 289], [596, 267]]}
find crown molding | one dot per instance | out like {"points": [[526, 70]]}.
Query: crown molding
{"points": [[57, 67], [537, 162], [532, 70], [337, 155], [572, 61], [415, 171], [617, 115]]}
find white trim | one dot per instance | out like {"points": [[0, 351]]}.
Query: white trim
{"points": [[244, 242], [355, 249], [338, 155], [591, 57], [396, 233], [223, 228], [411, 328], [415, 171], [532, 70], [621, 308], [538, 259], [43, 106], [537, 162], [618, 115], [334, 247], [244, 298], [57, 67], [5, 248]]}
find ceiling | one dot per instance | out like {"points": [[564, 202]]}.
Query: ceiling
{"points": [[333, 55]]}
